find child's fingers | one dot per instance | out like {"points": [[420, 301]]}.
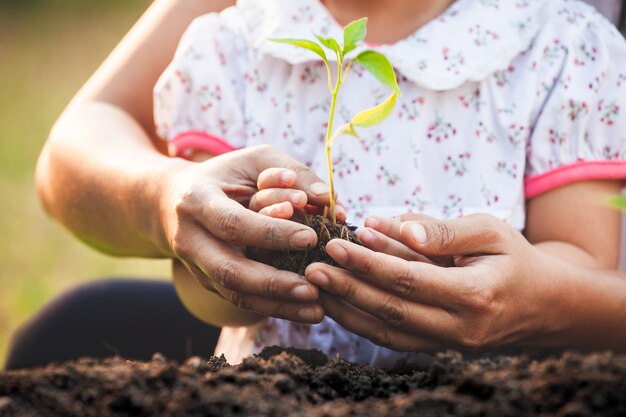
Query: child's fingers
{"points": [[276, 178], [317, 193], [340, 211], [286, 210], [297, 200], [380, 243], [282, 210], [271, 196]]}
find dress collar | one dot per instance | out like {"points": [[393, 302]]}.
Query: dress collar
{"points": [[471, 40]]}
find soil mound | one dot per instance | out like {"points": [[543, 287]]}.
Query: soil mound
{"points": [[297, 261], [287, 382]]}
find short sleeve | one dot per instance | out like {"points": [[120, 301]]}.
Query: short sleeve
{"points": [[580, 131], [198, 100]]}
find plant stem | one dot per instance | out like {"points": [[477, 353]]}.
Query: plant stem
{"points": [[329, 130]]}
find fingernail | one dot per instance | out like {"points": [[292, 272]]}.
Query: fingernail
{"points": [[372, 222], [276, 210], [303, 239], [308, 314], [417, 231], [339, 252], [287, 176], [366, 236], [319, 278], [297, 198], [319, 188], [302, 292]]}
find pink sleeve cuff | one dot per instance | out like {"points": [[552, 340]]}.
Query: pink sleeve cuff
{"points": [[576, 172], [185, 143]]}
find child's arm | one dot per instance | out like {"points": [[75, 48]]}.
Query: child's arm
{"points": [[575, 223]]}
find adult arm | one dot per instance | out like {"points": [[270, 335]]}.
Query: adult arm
{"points": [[501, 290], [103, 148], [103, 175]]}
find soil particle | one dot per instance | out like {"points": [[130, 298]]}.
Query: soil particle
{"points": [[297, 261], [294, 382]]}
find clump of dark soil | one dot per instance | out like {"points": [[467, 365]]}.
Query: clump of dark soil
{"points": [[297, 261], [281, 382]]}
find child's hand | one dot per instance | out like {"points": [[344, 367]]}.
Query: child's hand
{"points": [[280, 196]]}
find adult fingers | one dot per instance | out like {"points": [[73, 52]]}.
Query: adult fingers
{"points": [[244, 276], [391, 228], [233, 223], [415, 281], [378, 242], [477, 234], [390, 309], [369, 327], [225, 269], [405, 217], [300, 312], [269, 196]]}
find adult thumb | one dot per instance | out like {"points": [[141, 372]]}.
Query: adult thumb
{"points": [[470, 235]]}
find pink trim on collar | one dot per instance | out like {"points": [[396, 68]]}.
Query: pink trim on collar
{"points": [[578, 171], [186, 142]]}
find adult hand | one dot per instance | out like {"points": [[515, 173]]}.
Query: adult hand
{"points": [[207, 222], [497, 290]]}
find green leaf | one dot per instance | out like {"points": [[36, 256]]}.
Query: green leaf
{"points": [[353, 33], [378, 64], [619, 202], [303, 43], [346, 129], [377, 114], [330, 43]]}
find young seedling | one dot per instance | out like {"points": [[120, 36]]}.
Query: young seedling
{"points": [[374, 62]]}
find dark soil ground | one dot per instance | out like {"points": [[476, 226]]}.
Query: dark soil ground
{"points": [[307, 383], [297, 261]]}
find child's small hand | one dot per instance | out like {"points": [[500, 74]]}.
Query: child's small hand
{"points": [[281, 196]]}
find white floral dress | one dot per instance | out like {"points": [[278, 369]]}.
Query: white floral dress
{"points": [[502, 101]]}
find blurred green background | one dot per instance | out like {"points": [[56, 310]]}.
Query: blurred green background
{"points": [[48, 48]]}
